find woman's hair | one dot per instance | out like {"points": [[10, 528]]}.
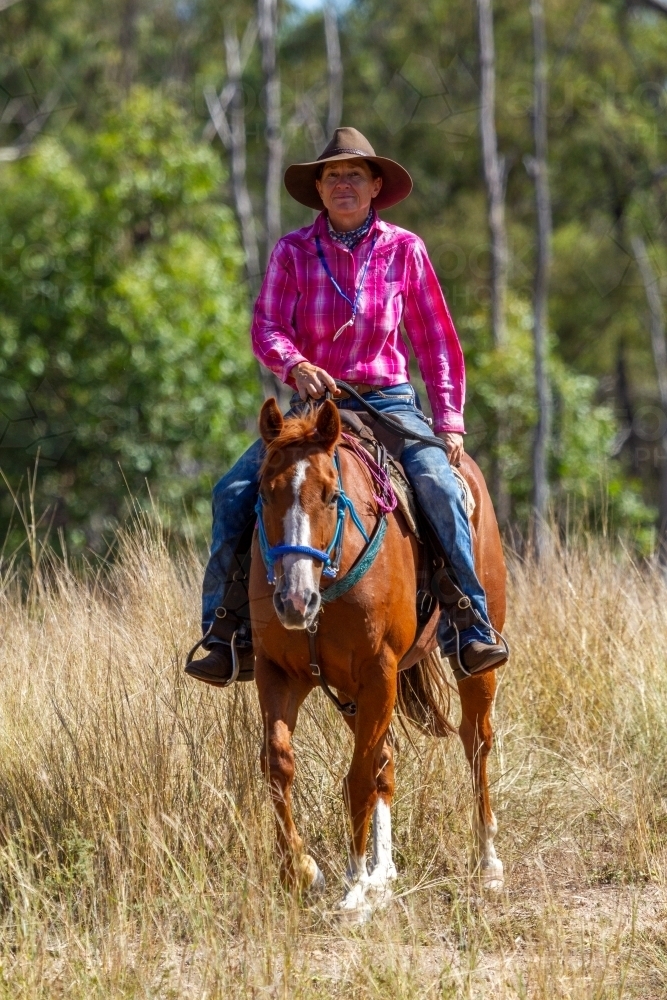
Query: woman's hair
{"points": [[372, 166]]}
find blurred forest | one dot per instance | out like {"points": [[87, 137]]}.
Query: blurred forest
{"points": [[140, 143]]}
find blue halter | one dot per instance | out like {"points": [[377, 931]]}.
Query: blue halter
{"points": [[331, 556]]}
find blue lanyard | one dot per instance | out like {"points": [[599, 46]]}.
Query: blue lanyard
{"points": [[355, 304]]}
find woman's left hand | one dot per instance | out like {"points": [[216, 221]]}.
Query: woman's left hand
{"points": [[454, 443]]}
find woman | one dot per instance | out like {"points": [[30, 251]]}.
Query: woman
{"points": [[330, 307]]}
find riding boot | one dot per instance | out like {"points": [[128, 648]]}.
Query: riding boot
{"points": [[473, 657], [229, 639]]}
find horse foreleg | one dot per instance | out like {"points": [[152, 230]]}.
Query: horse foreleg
{"points": [[383, 870], [280, 698], [476, 733], [368, 791]]}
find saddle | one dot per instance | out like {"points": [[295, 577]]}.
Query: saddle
{"points": [[437, 584]]}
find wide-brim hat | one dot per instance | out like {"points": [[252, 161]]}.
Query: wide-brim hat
{"points": [[348, 144]]}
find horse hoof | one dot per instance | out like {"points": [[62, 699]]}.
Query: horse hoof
{"points": [[357, 918], [353, 907], [310, 878], [316, 888], [354, 916], [380, 885], [492, 876]]}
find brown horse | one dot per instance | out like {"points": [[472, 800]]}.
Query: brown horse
{"points": [[363, 639]]}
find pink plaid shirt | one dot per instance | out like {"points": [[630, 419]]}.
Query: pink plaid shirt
{"points": [[298, 311]]}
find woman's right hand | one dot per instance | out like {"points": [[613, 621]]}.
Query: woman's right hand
{"points": [[312, 380]]}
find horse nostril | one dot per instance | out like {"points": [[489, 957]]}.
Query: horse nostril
{"points": [[313, 602]]}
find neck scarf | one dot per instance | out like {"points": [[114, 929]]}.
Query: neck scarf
{"points": [[354, 236]]}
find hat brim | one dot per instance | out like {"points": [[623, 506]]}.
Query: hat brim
{"points": [[396, 181]]}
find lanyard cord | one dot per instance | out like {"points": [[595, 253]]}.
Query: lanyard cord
{"points": [[362, 279]]}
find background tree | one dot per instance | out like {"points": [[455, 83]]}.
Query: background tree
{"points": [[123, 325], [539, 170], [413, 85], [494, 179]]}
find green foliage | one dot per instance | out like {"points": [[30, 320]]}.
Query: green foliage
{"points": [[123, 315], [589, 487], [120, 268]]}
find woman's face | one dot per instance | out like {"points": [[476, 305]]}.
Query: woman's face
{"points": [[347, 187]]}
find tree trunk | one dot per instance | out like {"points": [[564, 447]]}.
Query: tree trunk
{"points": [[659, 349], [237, 148], [227, 92], [267, 20], [128, 43], [334, 67], [494, 179], [244, 210], [494, 172], [541, 287]]}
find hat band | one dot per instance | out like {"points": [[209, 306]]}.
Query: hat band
{"points": [[343, 149]]}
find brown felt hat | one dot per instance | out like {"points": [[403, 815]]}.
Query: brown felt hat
{"points": [[348, 144]]}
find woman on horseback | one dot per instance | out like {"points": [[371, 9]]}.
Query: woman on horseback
{"points": [[332, 301]]}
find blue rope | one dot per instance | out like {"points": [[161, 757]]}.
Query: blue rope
{"points": [[298, 550]]}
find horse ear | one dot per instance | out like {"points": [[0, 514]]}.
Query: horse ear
{"points": [[328, 424], [270, 420]]}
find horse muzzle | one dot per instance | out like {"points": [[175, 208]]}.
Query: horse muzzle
{"points": [[296, 610]]}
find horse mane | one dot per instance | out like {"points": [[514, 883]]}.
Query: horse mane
{"points": [[301, 430]]}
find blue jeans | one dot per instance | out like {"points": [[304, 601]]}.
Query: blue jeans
{"points": [[432, 480]]}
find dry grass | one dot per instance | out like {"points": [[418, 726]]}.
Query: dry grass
{"points": [[136, 840]]}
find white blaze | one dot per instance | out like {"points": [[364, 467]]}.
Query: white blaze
{"points": [[298, 570]]}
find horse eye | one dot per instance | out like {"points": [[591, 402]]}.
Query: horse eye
{"points": [[262, 496], [333, 499]]}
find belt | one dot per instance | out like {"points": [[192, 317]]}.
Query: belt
{"points": [[361, 388]]}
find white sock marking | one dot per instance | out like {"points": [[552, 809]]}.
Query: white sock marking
{"points": [[491, 867], [383, 868]]}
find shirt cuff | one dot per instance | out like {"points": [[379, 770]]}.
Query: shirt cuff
{"points": [[451, 423], [286, 367]]}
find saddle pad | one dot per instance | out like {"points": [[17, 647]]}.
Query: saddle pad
{"points": [[405, 497], [468, 498]]}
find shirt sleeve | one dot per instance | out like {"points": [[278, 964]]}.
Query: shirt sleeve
{"points": [[272, 323], [429, 326]]}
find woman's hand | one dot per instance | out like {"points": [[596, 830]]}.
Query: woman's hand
{"points": [[312, 380], [454, 444]]}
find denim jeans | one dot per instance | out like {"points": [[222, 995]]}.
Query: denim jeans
{"points": [[432, 480]]}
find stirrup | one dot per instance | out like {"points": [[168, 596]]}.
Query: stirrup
{"points": [[236, 663], [460, 672]]}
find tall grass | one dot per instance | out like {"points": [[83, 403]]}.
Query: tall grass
{"points": [[136, 840]]}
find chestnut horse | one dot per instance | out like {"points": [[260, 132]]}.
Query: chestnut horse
{"points": [[363, 639]]}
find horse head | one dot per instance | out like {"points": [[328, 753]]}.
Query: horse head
{"points": [[298, 507]]}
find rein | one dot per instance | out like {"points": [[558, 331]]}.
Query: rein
{"points": [[386, 420]]}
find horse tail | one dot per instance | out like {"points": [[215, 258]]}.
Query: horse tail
{"points": [[424, 695]]}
